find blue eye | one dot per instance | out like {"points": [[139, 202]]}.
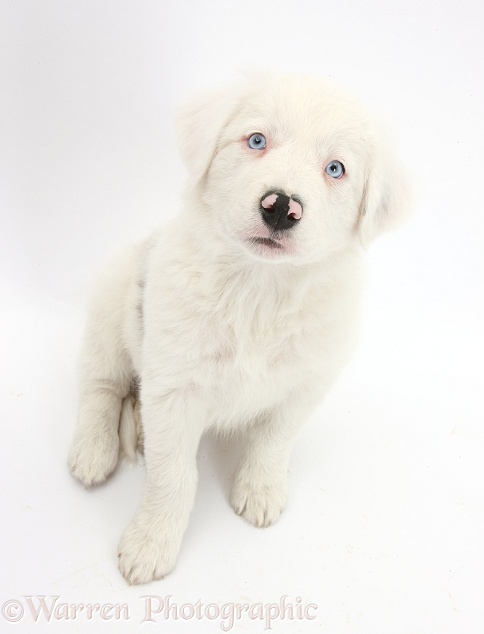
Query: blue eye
{"points": [[256, 141], [335, 169]]}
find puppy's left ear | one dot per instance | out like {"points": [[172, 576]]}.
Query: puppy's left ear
{"points": [[199, 125], [388, 195]]}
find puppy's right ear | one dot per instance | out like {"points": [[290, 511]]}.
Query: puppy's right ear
{"points": [[199, 126]]}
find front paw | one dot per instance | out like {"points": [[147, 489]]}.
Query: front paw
{"points": [[93, 456], [147, 552], [260, 503]]}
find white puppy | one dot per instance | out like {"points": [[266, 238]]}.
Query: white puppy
{"points": [[242, 311]]}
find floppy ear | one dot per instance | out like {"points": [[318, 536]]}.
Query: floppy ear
{"points": [[387, 198], [199, 125]]}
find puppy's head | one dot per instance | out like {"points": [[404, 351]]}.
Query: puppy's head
{"points": [[290, 168]]}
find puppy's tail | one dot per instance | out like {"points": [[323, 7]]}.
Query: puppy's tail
{"points": [[130, 429]]}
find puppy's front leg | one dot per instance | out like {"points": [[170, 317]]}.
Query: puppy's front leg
{"points": [[259, 491], [173, 425]]}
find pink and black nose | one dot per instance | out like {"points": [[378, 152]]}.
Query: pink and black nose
{"points": [[280, 211]]}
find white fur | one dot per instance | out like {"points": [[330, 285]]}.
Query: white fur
{"points": [[221, 333]]}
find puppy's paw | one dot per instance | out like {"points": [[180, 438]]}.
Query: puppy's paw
{"points": [[146, 552], [260, 503], [92, 457]]}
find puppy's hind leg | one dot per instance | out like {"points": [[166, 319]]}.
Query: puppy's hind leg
{"points": [[105, 377], [95, 447]]}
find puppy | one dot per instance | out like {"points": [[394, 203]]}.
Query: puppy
{"points": [[241, 312]]}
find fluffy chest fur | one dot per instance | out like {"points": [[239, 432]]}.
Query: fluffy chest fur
{"points": [[244, 336]]}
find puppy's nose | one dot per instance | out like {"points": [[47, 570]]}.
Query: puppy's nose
{"points": [[280, 211]]}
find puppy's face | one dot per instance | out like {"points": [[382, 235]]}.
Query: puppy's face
{"points": [[293, 170]]}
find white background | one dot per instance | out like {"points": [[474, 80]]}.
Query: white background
{"points": [[384, 526]]}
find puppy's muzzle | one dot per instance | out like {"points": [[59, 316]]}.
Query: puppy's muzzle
{"points": [[280, 211]]}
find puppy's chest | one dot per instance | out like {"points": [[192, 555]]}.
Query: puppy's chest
{"points": [[247, 350], [255, 359]]}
